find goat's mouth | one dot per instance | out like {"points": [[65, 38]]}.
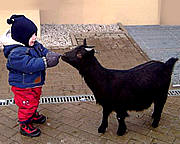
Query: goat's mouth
{"points": [[64, 57]]}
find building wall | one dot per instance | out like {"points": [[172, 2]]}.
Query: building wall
{"points": [[90, 11], [18, 4], [100, 11], [128, 12], [170, 12], [9, 7]]}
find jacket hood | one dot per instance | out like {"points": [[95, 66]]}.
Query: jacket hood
{"points": [[8, 48]]}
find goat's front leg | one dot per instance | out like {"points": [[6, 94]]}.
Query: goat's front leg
{"points": [[122, 126], [104, 123]]}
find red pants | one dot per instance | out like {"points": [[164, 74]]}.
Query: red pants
{"points": [[27, 99]]}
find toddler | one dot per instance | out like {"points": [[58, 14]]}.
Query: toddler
{"points": [[27, 63]]}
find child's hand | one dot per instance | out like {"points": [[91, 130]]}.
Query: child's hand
{"points": [[52, 59]]}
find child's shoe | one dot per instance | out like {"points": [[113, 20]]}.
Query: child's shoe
{"points": [[29, 130], [38, 118]]}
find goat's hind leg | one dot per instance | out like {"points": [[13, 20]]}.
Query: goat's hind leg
{"points": [[158, 108], [104, 123], [122, 126]]}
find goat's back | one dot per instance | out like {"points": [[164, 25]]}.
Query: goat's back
{"points": [[144, 75]]}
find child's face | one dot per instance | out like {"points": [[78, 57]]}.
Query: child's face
{"points": [[32, 40]]}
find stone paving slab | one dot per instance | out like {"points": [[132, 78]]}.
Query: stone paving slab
{"points": [[77, 123]]}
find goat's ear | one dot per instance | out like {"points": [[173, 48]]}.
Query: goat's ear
{"points": [[89, 48], [84, 42]]}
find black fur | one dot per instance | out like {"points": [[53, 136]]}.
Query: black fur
{"points": [[123, 90]]}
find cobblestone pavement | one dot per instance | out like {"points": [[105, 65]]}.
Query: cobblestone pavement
{"points": [[77, 123]]}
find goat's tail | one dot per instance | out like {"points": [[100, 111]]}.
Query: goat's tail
{"points": [[170, 63]]}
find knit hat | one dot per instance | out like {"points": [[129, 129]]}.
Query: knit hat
{"points": [[22, 28]]}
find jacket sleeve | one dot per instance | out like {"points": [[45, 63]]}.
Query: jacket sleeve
{"points": [[20, 61], [43, 50]]}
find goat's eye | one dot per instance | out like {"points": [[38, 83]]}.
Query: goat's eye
{"points": [[79, 55]]}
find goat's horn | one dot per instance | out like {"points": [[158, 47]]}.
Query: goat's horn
{"points": [[84, 42]]}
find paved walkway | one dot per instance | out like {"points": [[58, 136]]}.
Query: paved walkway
{"points": [[77, 123]]}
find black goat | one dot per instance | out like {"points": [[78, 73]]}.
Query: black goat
{"points": [[122, 90]]}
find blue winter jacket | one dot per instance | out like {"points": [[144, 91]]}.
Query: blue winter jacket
{"points": [[26, 65]]}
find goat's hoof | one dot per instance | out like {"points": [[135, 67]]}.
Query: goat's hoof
{"points": [[121, 132], [101, 130]]}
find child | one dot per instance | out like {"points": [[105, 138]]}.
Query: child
{"points": [[27, 63]]}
